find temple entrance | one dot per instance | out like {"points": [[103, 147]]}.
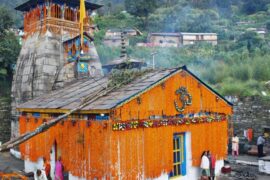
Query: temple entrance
{"points": [[54, 155], [53, 159]]}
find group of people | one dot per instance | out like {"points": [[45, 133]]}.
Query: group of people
{"points": [[208, 163], [260, 144], [45, 173]]}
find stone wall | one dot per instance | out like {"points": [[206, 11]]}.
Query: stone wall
{"points": [[251, 112], [41, 67], [5, 117]]}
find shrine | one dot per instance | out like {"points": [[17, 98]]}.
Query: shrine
{"points": [[155, 126], [53, 52], [152, 124]]}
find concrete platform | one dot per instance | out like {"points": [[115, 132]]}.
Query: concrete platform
{"points": [[9, 164]]}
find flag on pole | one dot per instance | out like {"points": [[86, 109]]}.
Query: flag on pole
{"points": [[82, 16]]}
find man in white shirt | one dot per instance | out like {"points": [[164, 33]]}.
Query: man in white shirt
{"points": [[235, 146], [260, 143]]}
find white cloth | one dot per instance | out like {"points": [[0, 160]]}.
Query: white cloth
{"points": [[245, 134], [260, 140], [235, 143], [205, 163], [41, 177]]}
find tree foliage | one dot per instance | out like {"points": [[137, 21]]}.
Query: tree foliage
{"points": [[9, 45], [252, 6], [6, 20], [141, 8]]}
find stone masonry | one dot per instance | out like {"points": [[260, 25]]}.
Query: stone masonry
{"points": [[41, 68], [251, 112], [4, 119]]}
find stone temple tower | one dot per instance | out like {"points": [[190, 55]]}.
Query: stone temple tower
{"points": [[51, 54]]}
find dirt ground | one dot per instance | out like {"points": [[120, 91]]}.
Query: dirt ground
{"points": [[9, 164], [242, 171]]}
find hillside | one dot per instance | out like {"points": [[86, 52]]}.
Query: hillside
{"points": [[238, 65]]}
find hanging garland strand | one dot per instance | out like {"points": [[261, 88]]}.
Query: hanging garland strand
{"points": [[121, 126]]}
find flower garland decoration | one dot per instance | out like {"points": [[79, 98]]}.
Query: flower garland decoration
{"points": [[175, 121]]}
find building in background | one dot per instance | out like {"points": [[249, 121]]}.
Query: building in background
{"points": [[164, 39], [178, 39], [260, 31], [113, 36], [193, 38]]}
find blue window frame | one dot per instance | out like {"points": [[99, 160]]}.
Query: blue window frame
{"points": [[179, 156]]}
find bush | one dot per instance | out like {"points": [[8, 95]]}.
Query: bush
{"points": [[261, 68]]}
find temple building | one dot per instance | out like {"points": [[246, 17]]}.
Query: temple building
{"points": [[155, 126], [145, 124], [51, 54]]}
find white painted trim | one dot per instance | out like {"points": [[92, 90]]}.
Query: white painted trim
{"points": [[16, 154]]}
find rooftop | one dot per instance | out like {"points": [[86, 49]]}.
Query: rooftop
{"points": [[73, 95], [187, 33], [165, 34], [26, 6]]}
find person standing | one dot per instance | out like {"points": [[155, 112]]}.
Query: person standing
{"points": [[47, 168], [212, 161], [59, 169], [205, 164], [235, 146], [260, 143]]}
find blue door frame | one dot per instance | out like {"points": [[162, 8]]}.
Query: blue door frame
{"points": [[179, 155]]}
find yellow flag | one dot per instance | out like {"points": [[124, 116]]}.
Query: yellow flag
{"points": [[82, 16]]}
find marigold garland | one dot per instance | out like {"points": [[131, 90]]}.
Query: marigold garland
{"points": [[96, 151]]}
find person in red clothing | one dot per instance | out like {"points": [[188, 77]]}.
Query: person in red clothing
{"points": [[47, 168], [212, 160]]}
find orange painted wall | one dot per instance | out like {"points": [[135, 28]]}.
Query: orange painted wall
{"points": [[98, 151], [158, 100]]}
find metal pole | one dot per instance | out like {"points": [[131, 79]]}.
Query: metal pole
{"points": [[153, 60]]}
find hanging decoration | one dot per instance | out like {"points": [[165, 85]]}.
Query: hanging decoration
{"points": [[185, 98], [128, 125]]}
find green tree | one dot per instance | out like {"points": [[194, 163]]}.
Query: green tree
{"points": [[141, 8], [253, 6], [9, 44], [6, 20], [268, 25]]}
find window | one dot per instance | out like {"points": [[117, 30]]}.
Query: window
{"points": [[179, 157]]}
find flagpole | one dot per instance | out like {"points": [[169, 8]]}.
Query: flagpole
{"points": [[82, 17]]}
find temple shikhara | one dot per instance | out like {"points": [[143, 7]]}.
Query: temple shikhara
{"points": [[53, 52], [154, 124]]}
